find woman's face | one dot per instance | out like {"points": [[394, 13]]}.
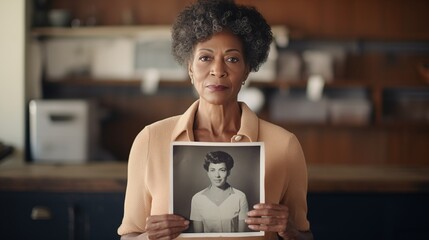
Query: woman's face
{"points": [[218, 174], [218, 68]]}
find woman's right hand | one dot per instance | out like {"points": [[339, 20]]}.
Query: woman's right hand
{"points": [[166, 226]]}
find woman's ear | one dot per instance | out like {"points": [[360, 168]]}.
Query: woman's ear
{"points": [[191, 73], [247, 71], [246, 75]]}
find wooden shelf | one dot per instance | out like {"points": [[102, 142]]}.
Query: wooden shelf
{"points": [[393, 125], [285, 84], [99, 31], [278, 84], [112, 82], [375, 93]]}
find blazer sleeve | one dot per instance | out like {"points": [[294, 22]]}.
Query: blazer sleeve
{"points": [[137, 203], [296, 192]]}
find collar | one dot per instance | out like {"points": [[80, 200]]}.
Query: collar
{"points": [[248, 132], [229, 190]]}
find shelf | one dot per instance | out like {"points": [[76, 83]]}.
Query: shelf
{"points": [[327, 125], [113, 82], [285, 84], [101, 31], [280, 84], [396, 124], [378, 120]]}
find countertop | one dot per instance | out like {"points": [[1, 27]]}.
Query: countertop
{"points": [[87, 177], [365, 178], [111, 177]]}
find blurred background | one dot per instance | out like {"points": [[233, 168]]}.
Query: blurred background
{"points": [[79, 80], [372, 56]]}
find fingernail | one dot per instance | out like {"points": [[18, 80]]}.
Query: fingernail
{"points": [[252, 227], [186, 222]]}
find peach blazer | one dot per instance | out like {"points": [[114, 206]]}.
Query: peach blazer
{"points": [[148, 187]]}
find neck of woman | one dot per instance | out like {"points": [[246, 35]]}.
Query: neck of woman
{"points": [[218, 194], [216, 122], [219, 189]]}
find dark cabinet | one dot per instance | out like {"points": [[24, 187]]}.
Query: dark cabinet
{"points": [[67, 216], [368, 216]]}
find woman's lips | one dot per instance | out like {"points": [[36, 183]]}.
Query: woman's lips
{"points": [[217, 87]]}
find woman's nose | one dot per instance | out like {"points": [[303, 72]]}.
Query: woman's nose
{"points": [[218, 69]]}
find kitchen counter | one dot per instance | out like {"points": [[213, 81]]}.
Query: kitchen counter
{"points": [[88, 177], [111, 177], [386, 179]]}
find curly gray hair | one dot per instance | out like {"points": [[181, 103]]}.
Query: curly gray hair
{"points": [[201, 20]]}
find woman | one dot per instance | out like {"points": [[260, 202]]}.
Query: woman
{"points": [[219, 207], [220, 43]]}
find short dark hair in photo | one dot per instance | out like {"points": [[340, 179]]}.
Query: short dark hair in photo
{"points": [[218, 157]]}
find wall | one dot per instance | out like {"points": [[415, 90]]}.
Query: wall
{"points": [[12, 96]]}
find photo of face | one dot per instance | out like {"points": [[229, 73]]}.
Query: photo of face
{"points": [[218, 174], [214, 184]]}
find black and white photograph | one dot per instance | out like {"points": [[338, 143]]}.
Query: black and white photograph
{"points": [[215, 184]]}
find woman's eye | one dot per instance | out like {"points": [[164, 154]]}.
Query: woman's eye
{"points": [[232, 59], [204, 58]]}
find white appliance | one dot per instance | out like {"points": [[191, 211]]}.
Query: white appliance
{"points": [[59, 131]]}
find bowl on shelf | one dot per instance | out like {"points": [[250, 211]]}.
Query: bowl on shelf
{"points": [[59, 17]]}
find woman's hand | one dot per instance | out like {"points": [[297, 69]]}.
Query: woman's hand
{"points": [[269, 218], [166, 226]]}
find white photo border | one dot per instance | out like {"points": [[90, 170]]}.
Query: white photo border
{"points": [[221, 144]]}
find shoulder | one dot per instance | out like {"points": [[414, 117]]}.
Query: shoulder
{"points": [[161, 126], [164, 124], [279, 141], [197, 196], [273, 131], [155, 134], [239, 193]]}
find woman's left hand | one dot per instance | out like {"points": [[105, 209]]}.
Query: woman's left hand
{"points": [[269, 218]]}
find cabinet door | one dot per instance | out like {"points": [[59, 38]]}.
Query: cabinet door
{"points": [[97, 215], [28, 216], [60, 216], [369, 216]]}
